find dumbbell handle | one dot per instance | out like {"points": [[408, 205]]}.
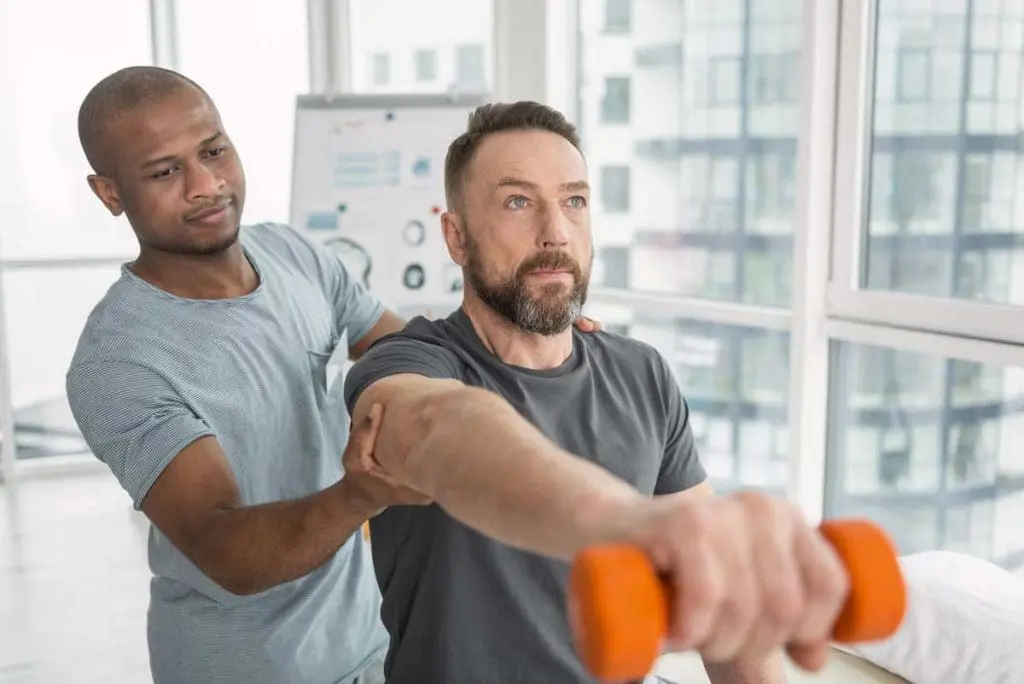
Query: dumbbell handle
{"points": [[619, 605]]}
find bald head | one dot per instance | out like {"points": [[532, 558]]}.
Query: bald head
{"points": [[119, 94]]}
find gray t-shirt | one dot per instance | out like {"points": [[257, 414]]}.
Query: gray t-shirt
{"points": [[153, 372], [461, 607]]}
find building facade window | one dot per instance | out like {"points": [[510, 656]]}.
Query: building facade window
{"points": [[380, 65], [913, 74], [615, 189], [618, 16], [425, 63], [469, 66], [615, 104]]}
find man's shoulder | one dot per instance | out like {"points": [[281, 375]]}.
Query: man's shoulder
{"points": [[277, 239], [426, 331], [621, 348], [130, 324]]}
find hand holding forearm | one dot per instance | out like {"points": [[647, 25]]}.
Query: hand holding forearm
{"points": [[250, 549], [488, 467]]}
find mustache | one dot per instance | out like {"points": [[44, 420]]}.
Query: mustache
{"points": [[219, 203], [550, 261]]}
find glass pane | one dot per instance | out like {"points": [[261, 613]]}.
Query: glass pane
{"points": [[700, 101], [254, 89], [461, 51], [928, 447], [51, 54], [618, 16], [46, 310], [945, 215], [736, 383]]}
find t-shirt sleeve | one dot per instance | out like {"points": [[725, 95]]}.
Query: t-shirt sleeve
{"points": [[680, 466], [398, 355], [132, 420], [356, 310]]}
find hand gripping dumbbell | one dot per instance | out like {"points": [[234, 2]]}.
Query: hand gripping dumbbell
{"points": [[620, 605]]}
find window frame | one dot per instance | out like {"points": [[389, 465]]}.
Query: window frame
{"points": [[846, 298]]}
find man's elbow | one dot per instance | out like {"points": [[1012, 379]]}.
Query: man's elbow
{"points": [[413, 405], [420, 415]]}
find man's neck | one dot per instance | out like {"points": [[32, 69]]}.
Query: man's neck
{"points": [[513, 345], [224, 275]]}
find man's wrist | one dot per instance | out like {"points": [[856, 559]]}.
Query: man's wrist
{"points": [[609, 519], [355, 500]]}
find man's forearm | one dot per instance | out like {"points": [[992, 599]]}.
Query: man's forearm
{"points": [[473, 454], [251, 549], [761, 671]]}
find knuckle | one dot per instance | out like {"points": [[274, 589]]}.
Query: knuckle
{"points": [[831, 583], [741, 610], [697, 524], [783, 607]]}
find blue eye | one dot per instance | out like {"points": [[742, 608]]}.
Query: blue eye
{"points": [[516, 202], [578, 201]]}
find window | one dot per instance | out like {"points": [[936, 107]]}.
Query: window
{"points": [[927, 446], [724, 82], [713, 186], [943, 184], [615, 189], [615, 106], [735, 383], [984, 75], [255, 90], [469, 66], [773, 78], [46, 310], [614, 261], [380, 63], [913, 75], [48, 209], [426, 65], [618, 16], [459, 56], [922, 398]]}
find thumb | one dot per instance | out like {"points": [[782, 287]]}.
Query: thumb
{"points": [[365, 434], [810, 657]]}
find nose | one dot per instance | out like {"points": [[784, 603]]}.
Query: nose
{"points": [[554, 233], [202, 183]]}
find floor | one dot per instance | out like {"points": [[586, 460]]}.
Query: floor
{"points": [[73, 583], [73, 587]]}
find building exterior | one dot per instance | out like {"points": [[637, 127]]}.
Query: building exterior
{"points": [[437, 55], [689, 113]]}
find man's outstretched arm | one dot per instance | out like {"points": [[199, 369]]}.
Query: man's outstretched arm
{"points": [[735, 601], [472, 453]]}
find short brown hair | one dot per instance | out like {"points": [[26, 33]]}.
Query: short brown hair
{"points": [[494, 118]]}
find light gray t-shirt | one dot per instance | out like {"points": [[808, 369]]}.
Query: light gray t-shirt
{"points": [[461, 607], [153, 372]]}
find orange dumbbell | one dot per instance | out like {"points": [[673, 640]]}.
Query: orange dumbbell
{"points": [[620, 605]]}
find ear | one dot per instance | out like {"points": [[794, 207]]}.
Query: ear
{"points": [[106, 190], [454, 231]]}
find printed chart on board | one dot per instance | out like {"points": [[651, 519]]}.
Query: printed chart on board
{"points": [[368, 184]]}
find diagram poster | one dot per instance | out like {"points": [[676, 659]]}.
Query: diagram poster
{"points": [[368, 184]]}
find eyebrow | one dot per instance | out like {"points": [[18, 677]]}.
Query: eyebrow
{"points": [[510, 182], [169, 158]]}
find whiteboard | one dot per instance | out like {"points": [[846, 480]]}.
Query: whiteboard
{"points": [[368, 184]]}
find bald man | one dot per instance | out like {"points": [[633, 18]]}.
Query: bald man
{"points": [[201, 381]]}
